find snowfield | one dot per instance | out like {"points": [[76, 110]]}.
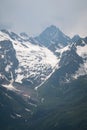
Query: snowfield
{"points": [[35, 62], [82, 52]]}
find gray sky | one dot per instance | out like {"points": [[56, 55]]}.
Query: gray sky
{"points": [[33, 16]]}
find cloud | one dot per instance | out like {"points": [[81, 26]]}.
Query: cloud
{"points": [[32, 16]]}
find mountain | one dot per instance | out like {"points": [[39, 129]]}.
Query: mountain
{"points": [[28, 64], [24, 66], [64, 94], [23, 62], [43, 81], [73, 60], [53, 38], [75, 38]]}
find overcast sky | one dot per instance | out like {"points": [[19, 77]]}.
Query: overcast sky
{"points": [[33, 16]]}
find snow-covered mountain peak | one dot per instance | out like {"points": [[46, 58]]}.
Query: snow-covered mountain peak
{"points": [[34, 63], [52, 37], [52, 30]]}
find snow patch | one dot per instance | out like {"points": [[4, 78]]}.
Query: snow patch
{"points": [[63, 49], [28, 110], [2, 56], [9, 86], [7, 68], [82, 51], [18, 115], [81, 71]]}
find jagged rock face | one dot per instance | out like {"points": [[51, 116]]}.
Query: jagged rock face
{"points": [[53, 38], [8, 61], [73, 60], [75, 38]]}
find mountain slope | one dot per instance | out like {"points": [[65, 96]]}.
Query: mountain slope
{"points": [[24, 62], [40, 89], [65, 92], [14, 110], [65, 106]]}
